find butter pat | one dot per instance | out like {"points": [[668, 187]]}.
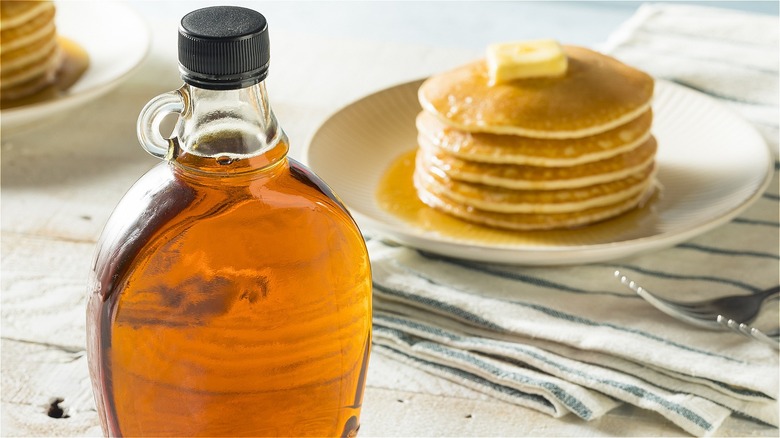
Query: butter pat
{"points": [[525, 59]]}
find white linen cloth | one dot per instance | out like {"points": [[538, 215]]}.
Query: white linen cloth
{"points": [[571, 340], [731, 55]]}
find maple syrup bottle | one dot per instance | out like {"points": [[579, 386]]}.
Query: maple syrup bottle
{"points": [[231, 290]]}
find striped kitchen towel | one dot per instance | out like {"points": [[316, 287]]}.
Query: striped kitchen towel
{"points": [[571, 340], [730, 55]]}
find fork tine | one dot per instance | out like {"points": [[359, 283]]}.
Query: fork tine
{"points": [[760, 336], [730, 324], [694, 316], [693, 312], [748, 331], [692, 309], [666, 306], [774, 334]]}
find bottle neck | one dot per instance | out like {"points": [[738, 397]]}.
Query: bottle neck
{"points": [[228, 131]]}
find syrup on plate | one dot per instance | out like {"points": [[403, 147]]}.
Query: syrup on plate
{"points": [[75, 62], [396, 195]]}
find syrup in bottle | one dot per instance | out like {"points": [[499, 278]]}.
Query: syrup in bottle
{"points": [[231, 290]]}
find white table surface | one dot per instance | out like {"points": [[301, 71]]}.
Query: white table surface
{"points": [[61, 180]]}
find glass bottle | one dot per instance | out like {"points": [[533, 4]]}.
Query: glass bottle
{"points": [[231, 290]]}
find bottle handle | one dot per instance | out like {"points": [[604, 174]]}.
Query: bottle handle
{"points": [[148, 127]]}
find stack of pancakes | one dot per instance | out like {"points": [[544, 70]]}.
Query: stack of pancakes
{"points": [[30, 55], [537, 153]]}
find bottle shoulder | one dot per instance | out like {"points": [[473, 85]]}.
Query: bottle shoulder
{"points": [[162, 206], [166, 188], [306, 176], [285, 183]]}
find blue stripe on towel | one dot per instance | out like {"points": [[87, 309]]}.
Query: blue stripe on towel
{"points": [[758, 222], [571, 402], [630, 389], [728, 252], [448, 308], [476, 379], [573, 318], [668, 275], [737, 390], [482, 322], [568, 400], [536, 281], [441, 333], [771, 196]]}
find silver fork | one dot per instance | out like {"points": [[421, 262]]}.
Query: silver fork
{"points": [[732, 312], [751, 332]]}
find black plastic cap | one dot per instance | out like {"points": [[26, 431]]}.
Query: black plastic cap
{"points": [[223, 47]]}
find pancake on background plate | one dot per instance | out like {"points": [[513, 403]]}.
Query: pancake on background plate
{"points": [[536, 136], [30, 54]]}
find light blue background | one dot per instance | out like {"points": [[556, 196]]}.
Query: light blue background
{"points": [[440, 23]]}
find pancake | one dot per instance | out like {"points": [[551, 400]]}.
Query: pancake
{"points": [[30, 55], [22, 63], [531, 222], [31, 22], [513, 176], [498, 199], [597, 93], [513, 149], [15, 13], [537, 153]]}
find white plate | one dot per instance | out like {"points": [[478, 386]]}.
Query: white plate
{"points": [[116, 40], [711, 166]]}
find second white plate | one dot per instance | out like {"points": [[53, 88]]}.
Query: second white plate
{"points": [[116, 40], [711, 166]]}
